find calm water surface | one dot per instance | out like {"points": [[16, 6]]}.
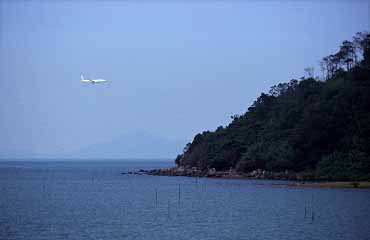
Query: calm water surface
{"points": [[93, 200]]}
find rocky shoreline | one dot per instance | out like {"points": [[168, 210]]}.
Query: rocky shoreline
{"points": [[298, 178], [212, 173]]}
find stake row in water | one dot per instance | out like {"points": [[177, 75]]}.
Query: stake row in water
{"points": [[168, 203]]}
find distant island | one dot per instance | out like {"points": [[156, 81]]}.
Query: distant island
{"points": [[307, 129]]}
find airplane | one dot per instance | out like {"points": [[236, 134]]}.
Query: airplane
{"points": [[92, 80]]}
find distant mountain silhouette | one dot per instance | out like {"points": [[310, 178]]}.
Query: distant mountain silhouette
{"points": [[15, 154], [10, 154], [133, 144]]}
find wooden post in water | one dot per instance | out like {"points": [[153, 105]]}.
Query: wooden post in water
{"points": [[123, 209], [305, 211], [312, 216], [168, 208], [156, 197], [312, 211], [179, 195]]}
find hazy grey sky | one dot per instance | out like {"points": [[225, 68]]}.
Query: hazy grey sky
{"points": [[175, 69]]}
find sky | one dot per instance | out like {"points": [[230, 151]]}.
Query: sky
{"points": [[173, 68]]}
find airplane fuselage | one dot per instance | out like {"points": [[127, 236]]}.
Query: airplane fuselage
{"points": [[92, 80]]}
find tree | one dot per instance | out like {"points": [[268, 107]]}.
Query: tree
{"points": [[309, 71], [347, 54], [186, 148], [361, 43], [325, 67]]}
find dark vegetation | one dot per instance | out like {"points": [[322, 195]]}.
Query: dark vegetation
{"points": [[317, 127]]}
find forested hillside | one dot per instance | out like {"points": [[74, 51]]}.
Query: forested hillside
{"points": [[318, 127]]}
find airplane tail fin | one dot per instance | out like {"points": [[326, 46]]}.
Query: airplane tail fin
{"points": [[82, 77]]}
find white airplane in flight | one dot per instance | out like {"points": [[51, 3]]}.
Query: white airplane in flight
{"points": [[92, 80]]}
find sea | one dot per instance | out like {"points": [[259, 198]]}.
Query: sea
{"points": [[54, 200]]}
